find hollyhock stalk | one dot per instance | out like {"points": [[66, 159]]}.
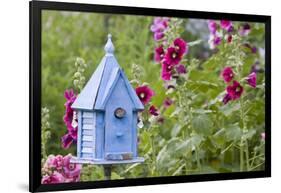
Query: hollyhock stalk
{"points": [[243, 142]]}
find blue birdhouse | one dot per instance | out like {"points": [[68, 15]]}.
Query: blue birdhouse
{"points": [[107, 109]]}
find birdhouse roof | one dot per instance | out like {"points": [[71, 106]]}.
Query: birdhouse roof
{"points": [[98, 89]]}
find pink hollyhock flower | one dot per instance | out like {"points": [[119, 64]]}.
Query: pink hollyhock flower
{"points": [[172, 56], [166, 72], [181, 46], [181, 69], [245, 29], [74, 179], [158, 27], [214, 41], [212, 25], [71, 170], [158, 36], [226, 99], [159, 24], [252, 79], [227, 74], [145, 94], [153, 110], [159, 53], [167, 102], [54, 178], [235, 90], [263, 135], [226, 25], [55, 162]]}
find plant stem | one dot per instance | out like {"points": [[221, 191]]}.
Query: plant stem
{"points": [[241, 156], [197, 159], [247, 155], [154, 171]]}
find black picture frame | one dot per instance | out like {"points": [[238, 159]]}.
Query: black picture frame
{"points": [[36, 7]]}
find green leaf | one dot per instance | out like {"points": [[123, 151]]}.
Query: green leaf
{"points": [[202, 124], [194, 43], [176, 129], [249, 134], [233, 133], [230, 108]]}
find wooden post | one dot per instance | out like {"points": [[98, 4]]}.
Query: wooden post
{"points": [[107, 171]]}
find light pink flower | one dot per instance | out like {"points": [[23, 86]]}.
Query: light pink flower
{"points": [[71, 170], [244, 29], [158, 27], [212, 25], [214, 40], [263, 135], [54, 178]]}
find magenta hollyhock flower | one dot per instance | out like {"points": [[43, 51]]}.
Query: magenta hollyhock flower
{"points": [[229, 38], [212, 25], [181, 46], [153, 110], [254, 49], [235, 90], [160, 119], [173, 57], [226, 25], [54, 178], [252, 79], [71, 170], [166, 72], [245, 29], [159, 53], [168, 102], [181, 69], [217, 40], [226, 99], [263, 135], [68, 117], [67, 140], [227, 74], [145, 94]]}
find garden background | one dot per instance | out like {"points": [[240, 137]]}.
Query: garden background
{"points": [[198, 133]]}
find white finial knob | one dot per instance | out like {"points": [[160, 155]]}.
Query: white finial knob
{"points": [[109, 47]]}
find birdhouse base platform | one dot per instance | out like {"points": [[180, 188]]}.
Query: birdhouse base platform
{"points": [[103, 162]]}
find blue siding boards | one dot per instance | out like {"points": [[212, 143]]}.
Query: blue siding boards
{"points": [[107, 115]]}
